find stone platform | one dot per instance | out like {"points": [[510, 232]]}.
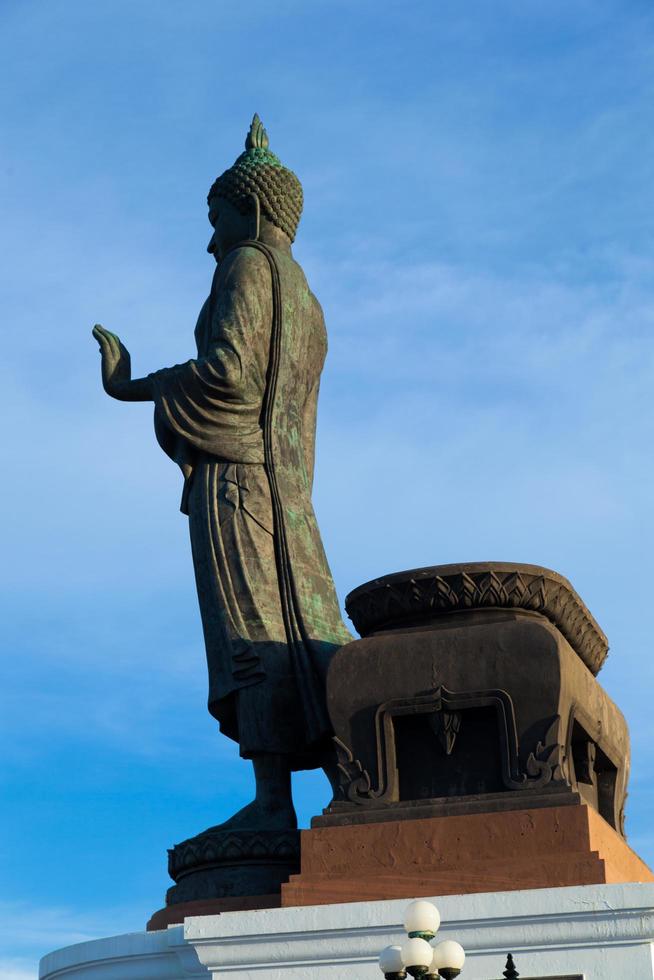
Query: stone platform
{"points": [[474, 852], [597, 931]]}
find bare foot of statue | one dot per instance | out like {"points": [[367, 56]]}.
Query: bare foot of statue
{"points": [[272, 808], [260, 816]]}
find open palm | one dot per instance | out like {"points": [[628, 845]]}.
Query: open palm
{"points": [[116, 362]]}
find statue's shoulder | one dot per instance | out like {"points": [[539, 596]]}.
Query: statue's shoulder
{"points": [[244, 270], [243, 259]]}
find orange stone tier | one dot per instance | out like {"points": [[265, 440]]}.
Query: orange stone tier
{"points": [[547, 847]]}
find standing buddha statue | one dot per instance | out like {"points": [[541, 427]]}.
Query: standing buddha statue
{"points": [[240, 420]]}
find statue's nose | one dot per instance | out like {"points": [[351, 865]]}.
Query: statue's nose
{"points": [[211, 247]]}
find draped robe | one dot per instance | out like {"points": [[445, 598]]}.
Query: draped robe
{"points": [[240, 421]]}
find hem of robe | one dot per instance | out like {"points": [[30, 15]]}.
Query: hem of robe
{"points": [[225, 711]]}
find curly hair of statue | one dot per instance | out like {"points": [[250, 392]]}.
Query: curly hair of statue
{"points": [[258, 171]]}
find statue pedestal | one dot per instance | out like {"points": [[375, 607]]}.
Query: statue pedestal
{"points": [[227, 871], [554, 846], [476, 752]]}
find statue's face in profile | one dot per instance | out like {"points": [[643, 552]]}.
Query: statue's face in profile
{"points": [[229, 227]]}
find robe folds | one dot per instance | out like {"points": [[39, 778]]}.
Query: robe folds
{"points": [[240, 421]]}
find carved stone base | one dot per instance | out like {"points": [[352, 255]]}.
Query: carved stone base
{"points": [[228, 864], [455, 855], [466, 684]]}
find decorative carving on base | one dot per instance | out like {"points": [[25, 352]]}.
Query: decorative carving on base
{"points": [[228, 863], [426, 593], [446, 725], [355, 780], [545, 762], [542, 765]]}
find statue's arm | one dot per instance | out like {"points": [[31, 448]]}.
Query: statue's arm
{"points": [[233, 337], [233, 363], [135, 390], [233, 334], [241, 320]]}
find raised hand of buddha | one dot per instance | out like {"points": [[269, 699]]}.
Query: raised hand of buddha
{"points": [[116, 362], [117, 369]]}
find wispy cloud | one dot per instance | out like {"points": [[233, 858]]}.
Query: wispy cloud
{"points": [[29, 931], [518, 387], [18, 969]]}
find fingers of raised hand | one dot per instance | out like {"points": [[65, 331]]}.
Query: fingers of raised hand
{"points": [[114, 344], [109, 343], [101, 333], [103, 341]]}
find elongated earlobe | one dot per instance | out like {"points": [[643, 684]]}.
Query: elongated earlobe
{"points": [[255, 218]]}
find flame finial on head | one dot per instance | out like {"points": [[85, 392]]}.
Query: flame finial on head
{"points": [[257, 137]]}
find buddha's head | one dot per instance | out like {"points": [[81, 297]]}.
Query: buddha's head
{"points": [[256, 198]]}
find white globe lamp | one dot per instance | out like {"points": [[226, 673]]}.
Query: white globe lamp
{"points": [[448, 958], [391, 963], [417, 955], [421, 920]]}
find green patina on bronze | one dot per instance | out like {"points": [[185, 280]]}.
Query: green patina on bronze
{"points": [[240, 420]]}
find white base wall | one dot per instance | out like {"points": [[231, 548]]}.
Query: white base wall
{"points": [[598, 932]]}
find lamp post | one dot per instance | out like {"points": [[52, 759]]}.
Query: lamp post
{"points": [[419, 958]]}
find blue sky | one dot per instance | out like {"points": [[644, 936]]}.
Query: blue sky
{"points": [[478, 226]]}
